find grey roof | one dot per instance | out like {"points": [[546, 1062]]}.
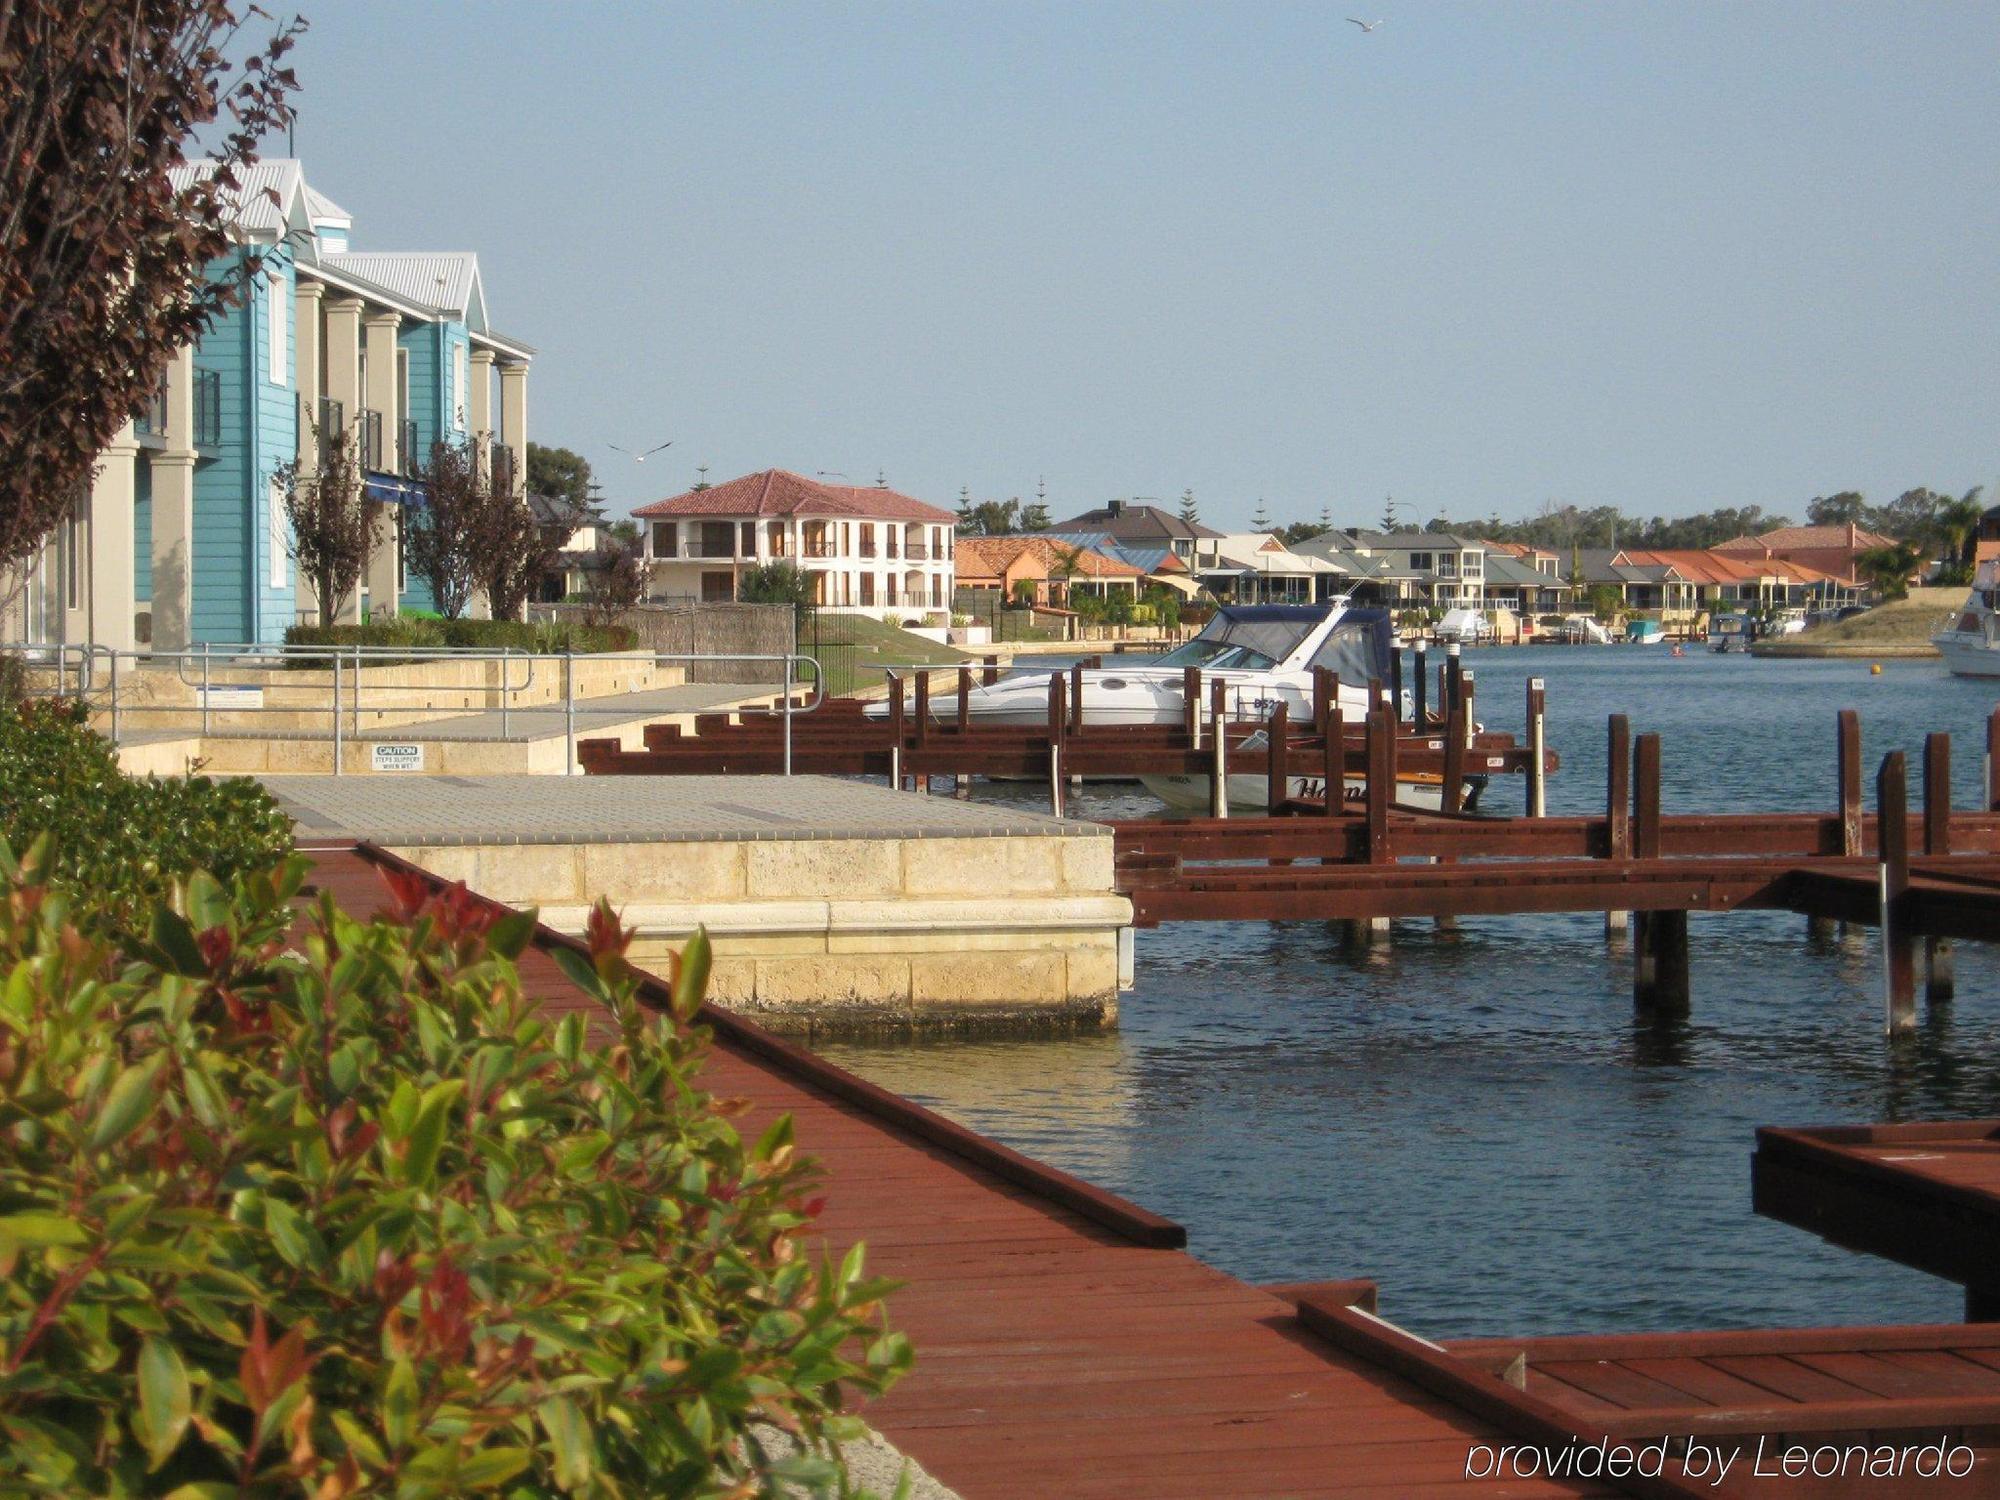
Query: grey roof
{"points": [[319, 206], [1509, 571], [1135, 523], [447, 280]]}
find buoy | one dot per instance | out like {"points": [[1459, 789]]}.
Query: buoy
{"points": [[1876, 670]]}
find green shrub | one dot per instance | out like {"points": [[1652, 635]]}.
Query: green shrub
{"points": [[123, 839], [546, 638], [354, 1218]]}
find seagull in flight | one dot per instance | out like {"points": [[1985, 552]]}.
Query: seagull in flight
{"points": [[1366, 26], [639, 458]]}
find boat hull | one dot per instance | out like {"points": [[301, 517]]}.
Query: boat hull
{"points": [[1251, 793], [1967, 655]]}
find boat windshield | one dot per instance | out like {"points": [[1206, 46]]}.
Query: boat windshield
{"points": [[1214, 652]]}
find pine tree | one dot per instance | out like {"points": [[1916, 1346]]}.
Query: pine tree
{"points": [[1389, 514], [700, 478], [1262, 520], [1190, 513]]}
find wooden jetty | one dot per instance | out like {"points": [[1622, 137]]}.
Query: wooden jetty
{"points": [[1065, 1343], [1925, 1195]]}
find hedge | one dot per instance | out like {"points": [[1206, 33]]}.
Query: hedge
{"points": [[544, 639]]}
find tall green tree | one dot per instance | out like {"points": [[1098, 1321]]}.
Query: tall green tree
{"points": [[1888, 570], [562, 475], [1035, 517], [1957, 529], [1190, 512], [988, 517], [104, 264]]}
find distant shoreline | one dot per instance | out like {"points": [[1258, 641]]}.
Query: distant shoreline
{"points": [[1847, 650]]}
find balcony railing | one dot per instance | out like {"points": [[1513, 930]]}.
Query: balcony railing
{"points": [[372, 454], [332, 421], [207, 408], [411, 461], [916, 551], [152, 422], [820, 546]]}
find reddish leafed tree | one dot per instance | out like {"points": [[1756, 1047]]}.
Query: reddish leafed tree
{"points": [[103, 264], [443, 542], [332, 526], [517, 548]]}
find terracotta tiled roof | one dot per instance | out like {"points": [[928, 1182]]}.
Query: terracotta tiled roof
{"points": [[991, 556], [779, 492], [1714, 566], [1808, 539]]}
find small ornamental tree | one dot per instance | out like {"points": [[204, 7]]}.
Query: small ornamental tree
{"points": [[618, 583], [341, 1213], [441, 544], [781, 582], [516, 549], [333, 526], [103, 264]]}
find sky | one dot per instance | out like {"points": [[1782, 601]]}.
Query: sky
{"points": [[1663, 256]]}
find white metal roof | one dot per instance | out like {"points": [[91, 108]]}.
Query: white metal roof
{"points": [[255, 212], [444, 279], [323, 210]]}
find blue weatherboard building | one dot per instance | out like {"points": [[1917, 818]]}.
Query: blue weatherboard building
{"points": [[182, 539]]}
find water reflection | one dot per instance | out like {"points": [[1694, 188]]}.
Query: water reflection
{"points": [[1474, 1115]]}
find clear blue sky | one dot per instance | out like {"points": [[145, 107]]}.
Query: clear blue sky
{"points": [[1664, 256]]}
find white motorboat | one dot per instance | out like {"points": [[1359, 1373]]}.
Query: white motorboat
{"points": [[1971, 646], [1264, 653]]}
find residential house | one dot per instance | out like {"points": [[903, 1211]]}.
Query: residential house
{"points": [[1406, 569], [1681, 584], [1133, 525], [182, 537], [1527, 580], [1160, 565], [1042, 569], [1831, 550], [1254, 567], [868, 551]]}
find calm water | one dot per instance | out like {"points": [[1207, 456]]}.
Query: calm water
{"points": [[1474, 1117]]}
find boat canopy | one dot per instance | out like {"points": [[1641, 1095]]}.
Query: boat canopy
{"points": [[1357, 650]]}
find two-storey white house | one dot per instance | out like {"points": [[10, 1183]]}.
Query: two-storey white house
{"points": [[868, 551]]}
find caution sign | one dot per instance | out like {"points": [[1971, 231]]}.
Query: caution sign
{"points": [[396, 757]]}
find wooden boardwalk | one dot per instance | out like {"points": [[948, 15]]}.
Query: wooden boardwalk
{"points": [[1067, 1346], [1926, 1195]]}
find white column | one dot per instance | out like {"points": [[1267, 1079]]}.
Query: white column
{"points": [[173, 514], [479, 410], [343, 384], [308, 312], [110, 602], [514, 419], [382, 561]]}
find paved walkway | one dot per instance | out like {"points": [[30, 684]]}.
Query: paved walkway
{"points": [[593, 715], [443, 810]]}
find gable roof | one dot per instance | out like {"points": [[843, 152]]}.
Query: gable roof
{"points": [[447, 280], [1135, 523], [280, 178], [780, 492], [1809, 539], [1150, 557]]}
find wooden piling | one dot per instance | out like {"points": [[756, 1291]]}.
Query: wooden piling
{"points": [[895, 684], [1660, 965], [1381, 780], [990, 673], [1849, 767], [1453, 794], [1277, 775], [1323, 692], [1191, 705], [1899, 967], [1940, 972], [1617, 806], [923, 710], [1218, 774], [1058, 723], [1538, 777], [1646, 797], [1454, 677], [1333, 756], [1421, 717], [964, 699], [1993, 761], [1076, 697], [1396, 679]]}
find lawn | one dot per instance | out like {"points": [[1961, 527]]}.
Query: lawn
{"points": [[852, 649]]}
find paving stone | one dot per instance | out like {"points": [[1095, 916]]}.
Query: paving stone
{"points": [[405, 810]]}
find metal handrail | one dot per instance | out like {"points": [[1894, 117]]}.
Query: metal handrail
{"points": [[344, 707]]}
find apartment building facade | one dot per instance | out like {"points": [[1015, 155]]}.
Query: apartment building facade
{"points": [[867, 550], [182, 539]]}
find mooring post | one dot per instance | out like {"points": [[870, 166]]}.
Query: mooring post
{"points": [[990, 673], [1322, 695], [1453, 791], [1076, 696], [1396, 680], [1892, 823], [923, 686], [1538, 781], [1617, 806], [1466, 686], [1277, 734], [1646, 797], [1420, 682], [1848, 730], [1993, 761], [1218, 725], [1381, 780], [894, 683], [1454, 677], [1333, 761], [1660, 966], [1191, 705], [964, 699], [1940, 980], [1058, 721]]}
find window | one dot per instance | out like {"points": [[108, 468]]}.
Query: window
{"points": [[748, 547], [275, 324], [867, 588], [718, 539], [1421, 562], [279, 537], [73, 563], [776, 532], [1475, 564], [889, 547], [717, 588], [666, 541]]}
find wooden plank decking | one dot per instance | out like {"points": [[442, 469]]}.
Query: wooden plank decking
{"points": [[1057, 1352]]}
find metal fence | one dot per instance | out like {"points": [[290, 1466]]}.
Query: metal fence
{"points": [[328, 691]]}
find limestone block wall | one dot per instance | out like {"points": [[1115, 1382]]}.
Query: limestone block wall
{"points": [[827, 931]]}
